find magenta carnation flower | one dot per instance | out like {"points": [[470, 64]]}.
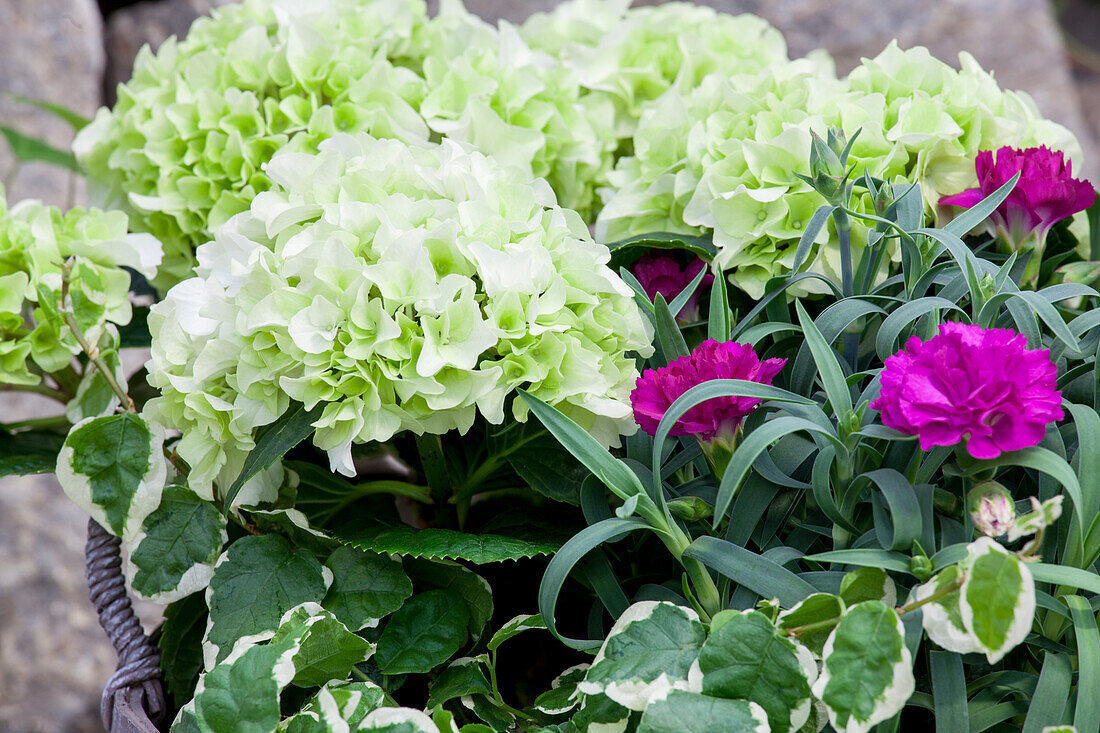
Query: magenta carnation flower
{"points": [[661, 273], [656, 390], [1046, 193], [982, 386]]}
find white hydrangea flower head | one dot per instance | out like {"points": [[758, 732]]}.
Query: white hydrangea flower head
{"points": [[402, 287]]}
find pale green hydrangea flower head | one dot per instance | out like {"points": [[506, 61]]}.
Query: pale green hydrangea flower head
{"points": [[631, 56], [519, 105], [35, 242], [403, 288], [184, 147], [720, 158]]}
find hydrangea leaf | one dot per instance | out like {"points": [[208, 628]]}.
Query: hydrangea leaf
{"points": [[997, 598], [272, 443], [814, 609], [652, 648], [365, 587], [257, 580], [942, 618], [746, 659], [549, 469], [521, 623], [29, 452], [436, 543], [112, 468], [174, 553], [447, 575], [867, 673], [423, 633], [563, 696], [688, 712], [462, 677], [868, 584], [326, 649], [180, 646]]}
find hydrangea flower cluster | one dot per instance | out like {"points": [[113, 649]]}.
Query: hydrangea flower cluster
{"points": [[720, 157], [657, 389], [183, 149], [970, 384], [400, 287], [35, 242]]}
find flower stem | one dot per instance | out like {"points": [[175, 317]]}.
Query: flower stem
{"points": [[41, 389]]}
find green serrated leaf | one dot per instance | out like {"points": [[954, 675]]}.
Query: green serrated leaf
{"points": [[462, 677], [181, 646], [272, 443], [423, 633], [448, 544], [814, 609], [365, 587], [257, 580], [745, 659], [868, 584], [690, 712], [112, 468], [651, 648], [29, 452], [174, 554], [867, 673]]}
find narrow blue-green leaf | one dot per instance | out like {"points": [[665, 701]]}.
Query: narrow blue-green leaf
{"points": [[25, 148], [71, 117], [904, 509], [949, 691], [758, 333], [272, 443], [1086, 717], [809, 234], [978, 213], [557, 571], [718, 322], [828, 366], [1049, 701], [886, 341], [866, 557], [951, 555], [669, 337], [685, 295], [1062, 575], [586, 449], [752, 445], [780, 291], [760, 575]]}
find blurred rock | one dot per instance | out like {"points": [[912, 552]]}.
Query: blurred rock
{"points": [[130, 28], [50, 50]]}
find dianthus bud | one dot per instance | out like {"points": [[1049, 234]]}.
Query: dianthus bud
{"points": [[991, 508]]}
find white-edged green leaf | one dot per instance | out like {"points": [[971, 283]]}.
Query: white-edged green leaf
{"points": [[1059, 729], [336, 708], [1041, 517], [257, 580], [173, 555], [521, 623], [941, 618], [997, 598], [326, 649], [94, 395], [462, 677], [868, 584], [398, 720], [563, 695], [816, 609], [365, 587], [746, 659], [679, 711], [867, 672], [423, 633], [652, 648], [112, 467]]}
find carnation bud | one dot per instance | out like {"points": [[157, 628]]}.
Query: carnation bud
{"points": [[690, 508], [884, 199], [991, 508], [921, 567], [826, 168]]}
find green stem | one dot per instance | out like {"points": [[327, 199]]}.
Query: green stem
{"points": [[41, 389], [705, 589], [496, 690], [38, 422]]}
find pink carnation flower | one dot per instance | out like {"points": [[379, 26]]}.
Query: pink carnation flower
{"points": [[661, 273], [982, 386], [1046, 193], [656, 390]]}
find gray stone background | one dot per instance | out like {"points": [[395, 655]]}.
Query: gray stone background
{"points": [[54, 658]]}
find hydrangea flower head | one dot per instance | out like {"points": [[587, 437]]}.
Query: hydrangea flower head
{"points": [[1046, 193], [663, 273], [657, 389], [970, 384], [400, 288]]}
